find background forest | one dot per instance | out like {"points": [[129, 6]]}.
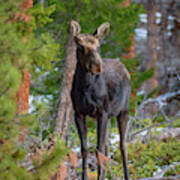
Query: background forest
{"points": [[38, 137]]}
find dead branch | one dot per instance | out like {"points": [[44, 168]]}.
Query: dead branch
{"points": [[161, 101], [164, 178]]}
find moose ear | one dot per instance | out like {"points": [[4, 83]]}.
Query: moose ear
{"points": [[102, 31], [75, 28]]}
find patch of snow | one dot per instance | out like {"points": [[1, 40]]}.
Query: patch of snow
{"points": [[37, 70], [141, 33], [155, 129], [158, 129], [158, 20], [158, 48], [49, 97], [171, 69], [56, 69], [170, 26], [117, 58], [158, 15], [31, 107], [114, 138], [114, 143], [143, 18], [46, 73], [169, 33], [39, 99], [144, 133], [139, 93], [159, 170], [171, 18], [76, 150]]}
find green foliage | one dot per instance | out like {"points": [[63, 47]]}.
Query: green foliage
{"points": [[35, 46], [21, 48], [142, 77], [10, 162], [145, 160], [176, 123], [173, 172], [50, 161]]}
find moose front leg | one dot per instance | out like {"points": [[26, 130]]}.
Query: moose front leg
{"points": [[102, 127], [122, 121], [82, 131]]}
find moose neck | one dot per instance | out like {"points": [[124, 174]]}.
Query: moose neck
{"points": [[82, 71]]}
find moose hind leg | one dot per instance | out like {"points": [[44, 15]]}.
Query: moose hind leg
{"points": [[82, 131], [122, 121], [102, 127]]}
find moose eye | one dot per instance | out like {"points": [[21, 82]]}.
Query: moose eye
{"points": [[81, 49]]}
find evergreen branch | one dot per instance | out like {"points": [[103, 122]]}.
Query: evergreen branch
{"points": [[4, 91]]}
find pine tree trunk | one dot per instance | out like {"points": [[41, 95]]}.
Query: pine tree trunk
{"points": [[64, 114], [23, 93], [24, 89], [131, 50], [151, 60], [163, 57], [41, 1]]}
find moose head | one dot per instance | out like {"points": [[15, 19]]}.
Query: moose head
{"points": [[88, 47]]}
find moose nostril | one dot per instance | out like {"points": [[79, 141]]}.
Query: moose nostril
{"points": [[96, 69], [99, 68]]}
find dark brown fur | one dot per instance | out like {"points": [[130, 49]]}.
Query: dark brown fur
{"points": [[101, 89]]}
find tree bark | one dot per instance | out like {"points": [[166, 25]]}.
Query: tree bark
{"points": [[163, 55], [41, 1], [151, 60], [131, 50], [23, 93], [24, 89], [65, 110]]}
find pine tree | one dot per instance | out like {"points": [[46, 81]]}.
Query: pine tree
{"points": [[16, 56], [23, 91]]}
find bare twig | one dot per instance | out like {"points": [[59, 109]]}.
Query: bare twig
{"points": [[4, 91], [161, 101], [171, 166], [155, 125]]}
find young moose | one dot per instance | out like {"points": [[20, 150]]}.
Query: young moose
{"points": [[101, 89]]}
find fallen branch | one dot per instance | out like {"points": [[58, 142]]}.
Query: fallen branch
{"points": [[163, 135], [161, 101], [164, 178], [155, 125], [171, 166]]}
